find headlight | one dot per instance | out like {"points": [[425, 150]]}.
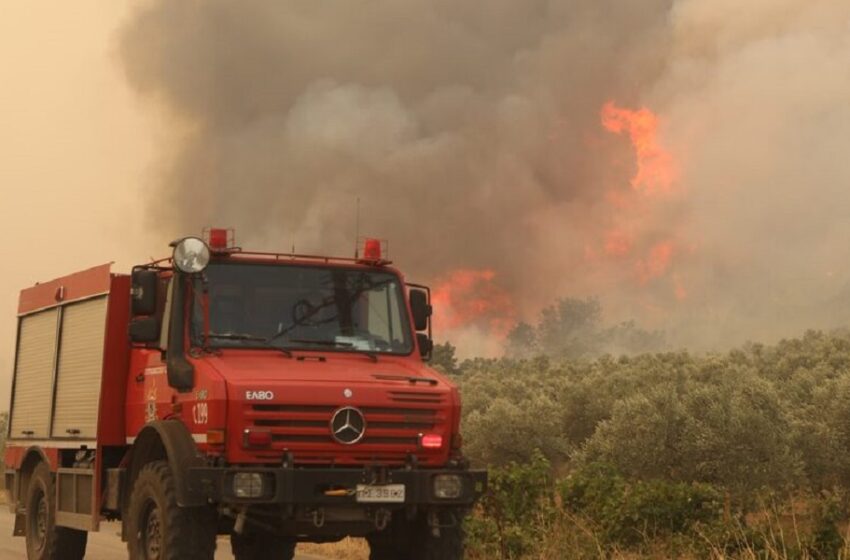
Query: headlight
{"points": [[248, 485], [448, 486], [191, 255]]}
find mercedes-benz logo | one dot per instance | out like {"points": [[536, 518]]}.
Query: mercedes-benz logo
{"points": [[348, 425]]}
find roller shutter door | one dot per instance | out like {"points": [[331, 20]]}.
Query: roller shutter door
{"points": [[79, 369], [34, 375]]}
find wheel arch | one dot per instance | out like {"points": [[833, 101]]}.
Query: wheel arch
{"points": [[165, 440], [32, 457]]}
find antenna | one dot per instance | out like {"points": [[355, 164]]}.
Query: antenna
{"points": [[357, 231]]}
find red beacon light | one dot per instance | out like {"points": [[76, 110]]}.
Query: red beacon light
{"points": [[220, 239], [374, 252]]}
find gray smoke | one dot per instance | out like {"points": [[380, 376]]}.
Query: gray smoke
{"points": [[470, 130]]}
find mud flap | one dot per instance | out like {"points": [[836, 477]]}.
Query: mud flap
{"points": [[20, 524]]}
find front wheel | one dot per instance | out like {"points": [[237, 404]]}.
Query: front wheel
{"points": [[262, 546], [159, 529], [46, 541]]}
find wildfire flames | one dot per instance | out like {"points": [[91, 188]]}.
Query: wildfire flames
{"points": [[635, 238], [635, 246], [656, 170], [472, 298]]}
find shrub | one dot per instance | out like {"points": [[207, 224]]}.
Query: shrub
{"points": [[516, 510], [672, 427], [632, 512]]}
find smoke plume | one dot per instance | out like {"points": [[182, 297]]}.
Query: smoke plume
{"points": [[684, 160]]}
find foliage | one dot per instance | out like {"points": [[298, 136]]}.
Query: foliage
{"points": [[4, 419], [572, 328], [628, 512], [755, 418], [675, 431], [827, 542], [516, 510], [443, 358]]}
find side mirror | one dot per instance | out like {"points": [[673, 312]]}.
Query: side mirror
{"points": [[144, 330], [426, 345], [145, 284], [421, 309]]}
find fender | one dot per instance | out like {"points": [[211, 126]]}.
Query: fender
{"points": [[169, 440], [24, 466]]}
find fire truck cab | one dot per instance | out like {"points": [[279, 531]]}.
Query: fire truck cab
{"points": [[274, 398]]}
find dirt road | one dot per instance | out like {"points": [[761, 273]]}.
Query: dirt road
{"points": [[105, 545]]}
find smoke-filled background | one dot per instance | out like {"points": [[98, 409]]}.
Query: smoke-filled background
{"points": [[683, 160], [686, 161]]}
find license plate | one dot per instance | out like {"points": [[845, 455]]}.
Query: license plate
{"points": [[386, 494]]}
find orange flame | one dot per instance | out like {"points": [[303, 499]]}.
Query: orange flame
{"points": [[657, 262], [634, 240], [656, 169], [469, 297]]}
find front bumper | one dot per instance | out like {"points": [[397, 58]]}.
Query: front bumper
{"points": [[333, 486]]}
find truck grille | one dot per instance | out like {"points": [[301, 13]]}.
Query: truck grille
{"points": [[392, 432]]}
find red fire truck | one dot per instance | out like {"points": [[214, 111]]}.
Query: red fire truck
{"points": [[274, 398]]}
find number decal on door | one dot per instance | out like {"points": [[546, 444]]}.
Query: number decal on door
{"points": [[201, 413]]}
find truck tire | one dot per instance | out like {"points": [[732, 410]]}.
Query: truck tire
{"points": [[415, 540], [262, 546], [158, 528], [46, 541]]}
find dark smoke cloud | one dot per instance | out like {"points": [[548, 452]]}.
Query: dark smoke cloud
{"points": [[440, 116], [470, 131]]}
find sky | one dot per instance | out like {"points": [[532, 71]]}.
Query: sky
{"points": [[75, 151]]}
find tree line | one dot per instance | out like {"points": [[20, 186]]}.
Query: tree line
{"points": [[630, 440]]}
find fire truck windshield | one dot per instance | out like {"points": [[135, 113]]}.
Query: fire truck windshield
{"points": [[300, 307]]}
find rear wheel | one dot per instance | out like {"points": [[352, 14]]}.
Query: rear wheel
{"points": [[158, 528], [46, 541], [262, 546]]}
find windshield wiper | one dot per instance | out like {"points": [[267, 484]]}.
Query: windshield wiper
{"points": [[322, 342], [335, 343], [251, 338], [236, 336]]}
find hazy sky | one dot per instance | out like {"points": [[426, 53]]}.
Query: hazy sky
{"points": [[75, 147]]}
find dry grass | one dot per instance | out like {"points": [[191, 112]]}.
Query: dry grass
{"points": [[347, 549], [777, 532]]}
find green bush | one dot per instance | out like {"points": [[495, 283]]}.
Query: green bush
{"points": [[728, 428], [826, 541], [632, 512], [516, 510], [676, 431], [756, 418]]}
